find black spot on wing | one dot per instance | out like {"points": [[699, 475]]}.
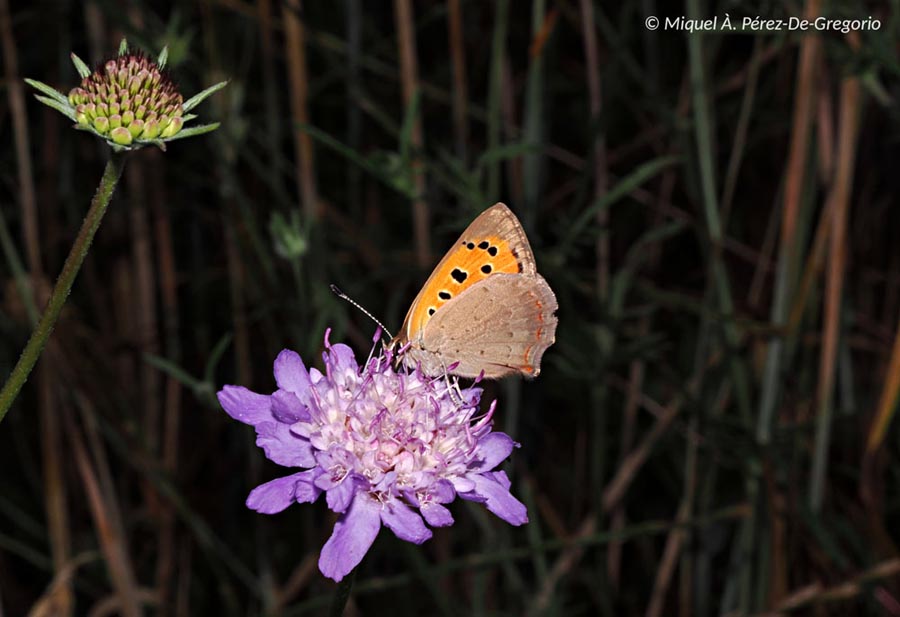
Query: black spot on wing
{"points": [[444, 295], [459, 276], [483, 244], [492, 251], [486, 268]]}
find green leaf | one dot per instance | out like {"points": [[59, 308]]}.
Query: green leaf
{"points": [[159, 143], [176, 372], [200, 97], [507, 151], [65, 110], [53, 93], [80, 66], [194, 131], [625, 186], [409, 121], [215, 356], [379, 169], [163, 57], [123, 46]]}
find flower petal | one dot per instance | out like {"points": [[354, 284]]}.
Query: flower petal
{"points": [[290, 373], [489, 488], [342, 357], [282, 446], [442, 491], [245, 406], [353, 534], [437, 515], [287, 408], [341, 495], [305, 491], [463, 484], [404, 522], [276, 495], [492, 450]]}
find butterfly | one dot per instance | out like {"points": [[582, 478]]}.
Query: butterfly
{"points": [[484, 309]]}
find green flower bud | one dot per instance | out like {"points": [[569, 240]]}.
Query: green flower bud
{"points": [[174, 126], [128, 100], [136, 127], [121, 136], [151, 130], [101, 124]]}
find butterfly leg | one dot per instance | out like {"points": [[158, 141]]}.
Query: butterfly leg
{"points": [[452, 385]]}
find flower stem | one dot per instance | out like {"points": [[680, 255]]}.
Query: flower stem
{"points": [[42, 331], [341, 595]]}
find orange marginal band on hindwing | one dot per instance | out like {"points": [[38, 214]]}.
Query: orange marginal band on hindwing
{"points": [[494, 243]]}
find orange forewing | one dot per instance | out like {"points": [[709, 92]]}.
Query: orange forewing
{"points": [[471, 261]]}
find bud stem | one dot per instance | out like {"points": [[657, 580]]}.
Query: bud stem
{"points": [[70, 270], [341, 595]]}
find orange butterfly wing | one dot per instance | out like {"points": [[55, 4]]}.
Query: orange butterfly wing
{"points": [[494, 242]]}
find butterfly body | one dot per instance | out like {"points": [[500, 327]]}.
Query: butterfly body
{"points": [[484, 309]]}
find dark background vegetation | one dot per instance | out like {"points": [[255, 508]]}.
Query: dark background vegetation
{"points": [[711, 433]]}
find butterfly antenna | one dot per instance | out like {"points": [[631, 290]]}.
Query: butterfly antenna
{"points": [[340, 294]]}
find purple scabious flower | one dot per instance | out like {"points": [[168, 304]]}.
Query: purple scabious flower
{"points": [[385, 446]]}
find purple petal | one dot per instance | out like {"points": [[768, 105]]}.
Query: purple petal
{"points": [[490, 489], [287, 408], [442, 491], [492, 449], [305, 490], [276, 495], [353, 534], [471, 395], [462, 484], [501, 477], [341, 495], [437, 515], [290, 374], [404, 522], [342, 357], [245, 406], [283, 447]]}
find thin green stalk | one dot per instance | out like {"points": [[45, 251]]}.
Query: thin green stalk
{"points": [[79, 251], [703, 128], [341, 595]]}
